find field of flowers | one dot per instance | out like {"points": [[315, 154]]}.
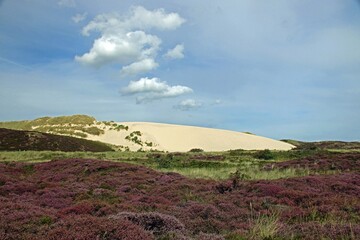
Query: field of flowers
{"points": [[97, 199]]}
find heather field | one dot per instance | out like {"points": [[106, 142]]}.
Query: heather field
{"points": [[127, 195]]}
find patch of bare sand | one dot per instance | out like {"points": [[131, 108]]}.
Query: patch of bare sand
{"points": [[179, 138]]}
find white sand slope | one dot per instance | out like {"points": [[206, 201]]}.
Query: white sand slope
{"points": [[178, 138]]}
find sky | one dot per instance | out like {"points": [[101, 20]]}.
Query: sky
{"points": [[285, 69]]}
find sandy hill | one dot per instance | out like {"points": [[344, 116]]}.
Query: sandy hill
{"points": [[181, 138], [147, 136]]}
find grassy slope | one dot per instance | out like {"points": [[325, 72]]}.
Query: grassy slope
{"points": [[75, 125], [15, 140], [27, 124]]}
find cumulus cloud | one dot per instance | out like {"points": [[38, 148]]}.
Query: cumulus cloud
{"points": [[188, 104], [79, 17], [67, 3], [149, 89], [139, 19], [124, 39], [139, 67], [121, 48], [176, 53]]}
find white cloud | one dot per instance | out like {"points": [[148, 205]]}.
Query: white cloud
{"points": [[124, 39], [67, 3], [150, 89], [139, 67], [138, 19], [79, 17], [176, 53], [188, 104], [121, 48]]}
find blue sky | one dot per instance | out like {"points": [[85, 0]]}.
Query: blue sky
{"points": [[277, 68]]}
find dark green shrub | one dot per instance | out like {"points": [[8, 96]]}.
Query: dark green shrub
{"points": [[164, 162], [121, 127], [264, 154], [238, 176], [196, 150]]}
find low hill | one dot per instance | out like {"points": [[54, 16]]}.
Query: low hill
{"points": [[14, 140], [148, 136], [323, 145], [75, 125]]}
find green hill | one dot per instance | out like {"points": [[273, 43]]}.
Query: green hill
{"points": [[75, 125]]}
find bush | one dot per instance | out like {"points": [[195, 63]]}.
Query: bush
{"points": [[121, 127], [264, 154], [164, 162], [196, 150]]}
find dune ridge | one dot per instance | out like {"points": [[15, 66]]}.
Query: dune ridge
{"points": [[181, 138]]}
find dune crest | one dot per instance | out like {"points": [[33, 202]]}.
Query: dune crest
{"points": [[179, 138]]}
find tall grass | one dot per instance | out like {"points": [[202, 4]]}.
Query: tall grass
{"points": [[265, 227], [206, 173], [244, 164], [251, 172]]}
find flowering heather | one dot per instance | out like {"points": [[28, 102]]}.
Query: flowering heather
{"points": [[94, 199], [323, 162]]}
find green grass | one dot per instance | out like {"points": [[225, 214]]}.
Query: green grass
{"points": [[250, 173], [265, 227], [207, 173], [243, 163]]}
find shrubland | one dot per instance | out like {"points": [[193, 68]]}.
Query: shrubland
{"points": [[297, 194]]}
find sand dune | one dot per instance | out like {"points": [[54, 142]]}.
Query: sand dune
{"points": [[178, 138]]}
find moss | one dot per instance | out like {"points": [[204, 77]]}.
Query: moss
{"points": [[45, 220]]}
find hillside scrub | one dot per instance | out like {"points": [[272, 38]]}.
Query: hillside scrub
{"points": [[30, 140], [75, 125]]}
